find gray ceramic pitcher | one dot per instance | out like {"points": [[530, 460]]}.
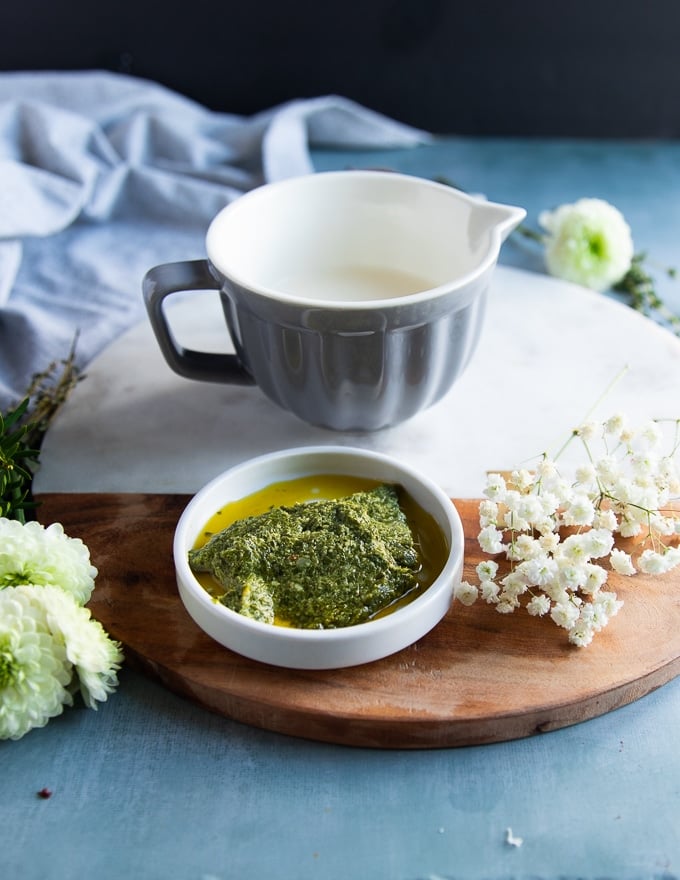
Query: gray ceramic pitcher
{"points": [[354, 299]]}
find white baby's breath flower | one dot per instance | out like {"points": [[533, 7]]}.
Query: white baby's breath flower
{"points": [[565, 614], [605, 518], [652, 562], [596, 576], [629, 527], [599, 543], [549, 542], [580, 511], [615, 425], [523, 479], [489, 591], [588, 242], [34, 669], [628, 488], [621, 562], [574, 548], [581, 634], [488, 513], [466, 593], [487, 569], [495, 487], [538, 605], [505, 606], [585, 473], [588, 431], [607, 468], [539, 570], [527, 547], [33, 554], [490, 540], [651, 435]]}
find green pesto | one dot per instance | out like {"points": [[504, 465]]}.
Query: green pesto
{"points": [[315, 565]]}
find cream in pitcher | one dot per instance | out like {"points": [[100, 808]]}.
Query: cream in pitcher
{"points": [[354, 299]]}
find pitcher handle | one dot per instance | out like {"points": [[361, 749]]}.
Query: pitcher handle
{"points": [[185, 277]]}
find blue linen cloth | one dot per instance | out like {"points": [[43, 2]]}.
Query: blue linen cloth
{"points": [[103, 176]]}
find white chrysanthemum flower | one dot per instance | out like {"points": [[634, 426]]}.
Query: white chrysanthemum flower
{"points": [[34, 669], [33, 554], [466, 593], [588, 242], [621, 562], [95, 657]]}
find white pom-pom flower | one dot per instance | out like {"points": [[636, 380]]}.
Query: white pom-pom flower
{"points": [[33, 554], [34, 669], [588, 242], [46, 637]]}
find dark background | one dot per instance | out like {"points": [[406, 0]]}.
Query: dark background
{"points": [[482, 67]]}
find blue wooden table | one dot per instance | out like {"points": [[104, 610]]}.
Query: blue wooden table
{"points": [[153, 787]]}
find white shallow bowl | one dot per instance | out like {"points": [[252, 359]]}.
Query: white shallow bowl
{"points": [[329, 648]]}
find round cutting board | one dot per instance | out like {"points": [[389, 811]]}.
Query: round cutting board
{"points": [[477, 677]]}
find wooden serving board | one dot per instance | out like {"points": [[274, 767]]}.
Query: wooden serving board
{"points": [[477, 677]]}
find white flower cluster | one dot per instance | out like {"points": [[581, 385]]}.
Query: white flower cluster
{"points": [[558, 533], [588, 242], [50, 646]]}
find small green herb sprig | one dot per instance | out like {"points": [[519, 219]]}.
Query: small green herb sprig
{"points": [[22, 429], [15, 457], [638, 285]]}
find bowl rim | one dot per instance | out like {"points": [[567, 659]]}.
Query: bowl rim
{"points": [[507, 217], [187, 529]]}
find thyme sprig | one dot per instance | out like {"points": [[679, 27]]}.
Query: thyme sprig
{"points": [[638, 285], [22, 429], [15, 471]]}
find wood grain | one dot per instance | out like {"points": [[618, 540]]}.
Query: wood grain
{"points": [[478, 677]]}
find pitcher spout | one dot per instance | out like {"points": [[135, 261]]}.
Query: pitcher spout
{"points": [[500, 220]]}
